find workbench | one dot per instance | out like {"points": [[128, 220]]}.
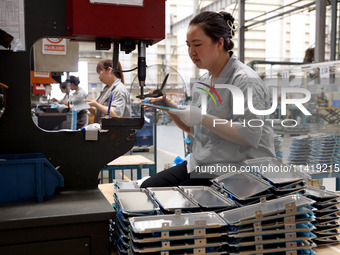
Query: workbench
{"points": [[71, 223], [129, 162]]}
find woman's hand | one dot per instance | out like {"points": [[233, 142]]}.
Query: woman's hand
{"points": [[162, 100], [92, 103], [156, 101]]}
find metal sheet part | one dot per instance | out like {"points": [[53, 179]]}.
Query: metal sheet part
{"points": [[273, 248], [172, 246], [172, 198], [149, 224], [176, 235], [234, 216], [319, 193], [121, 184], [136, 201], [277, 176], [282, 177], [242, 185], [207, 197]]}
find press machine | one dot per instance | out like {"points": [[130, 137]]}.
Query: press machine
{"points": [[74, 221]]}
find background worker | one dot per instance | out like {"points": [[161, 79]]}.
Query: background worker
{"points": [[63, 89], [78, 97], [114, 85]]}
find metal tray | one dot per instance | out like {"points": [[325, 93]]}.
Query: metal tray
{"points": [[176, 245], [171, 198], [176, 235], [122, 184], [242, 185], [296, 228], [319, 193], [177, 221], [277, 178], [271, 239], [234, 216], [277, 224], [207, 197], [136, 201], [273, 248]]}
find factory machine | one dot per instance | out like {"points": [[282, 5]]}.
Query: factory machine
{"points": [[75, 221]]}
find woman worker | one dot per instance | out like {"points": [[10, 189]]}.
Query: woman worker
{"points": [[120, 103], [225, 145], [79, 95]]}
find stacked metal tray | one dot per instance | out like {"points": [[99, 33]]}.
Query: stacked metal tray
{"points": [[322, 149], [278, 146], [326, 215], [130, 203], [285, 179], [188, 233], [337, 151], [243, 188], [299, 150], [142, 203], [276, 226]]}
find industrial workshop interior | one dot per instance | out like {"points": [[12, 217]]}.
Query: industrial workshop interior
{"points": [[154, 127]]}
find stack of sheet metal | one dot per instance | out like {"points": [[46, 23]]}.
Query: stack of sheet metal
{"points": [[322, 151], [285, 179], [336, 159], [194, 233], [243, 188], [326, 215], [130, 203], [278, 146], [269, 227], [299, 150]]}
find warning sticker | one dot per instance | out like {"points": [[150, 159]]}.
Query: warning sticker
{"points": [[54, 46]]}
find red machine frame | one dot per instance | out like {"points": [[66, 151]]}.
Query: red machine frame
{"points": [[88, 21]]}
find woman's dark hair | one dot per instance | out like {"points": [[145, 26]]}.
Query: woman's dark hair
{"points": [[75, 80], [105, 64], [63, 85], [216, 25]]}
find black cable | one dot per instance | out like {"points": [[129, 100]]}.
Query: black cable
{"points": [[115, 57], [130, 70]]}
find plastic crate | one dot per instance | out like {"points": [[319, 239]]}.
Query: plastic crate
{"points": [[27, 177]]}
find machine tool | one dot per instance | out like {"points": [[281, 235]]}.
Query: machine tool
{"points": [[75, 221]]}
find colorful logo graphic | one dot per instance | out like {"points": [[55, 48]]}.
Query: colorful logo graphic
{"points": [[208, 92]]}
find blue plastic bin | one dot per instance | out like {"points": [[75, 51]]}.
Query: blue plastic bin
{"points": [[27, 177]]}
